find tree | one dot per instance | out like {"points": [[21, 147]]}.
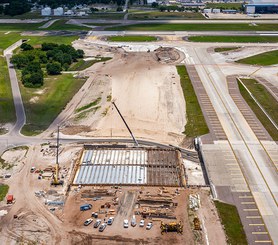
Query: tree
{"points": [[17, 7], [54, 68], [154, 5], [80, 53], [49, 46], [119, 9], [26, 46], [33, 79], [19, 61]]}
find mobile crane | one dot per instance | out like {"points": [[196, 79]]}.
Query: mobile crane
{"points": [[56, 181]]}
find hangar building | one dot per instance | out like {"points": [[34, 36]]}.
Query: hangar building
{"points": [[262, 7]]}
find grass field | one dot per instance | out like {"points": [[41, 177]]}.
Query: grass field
{"points": [[196, 124], [231, 221], [267, 101], [8, 39], [92, 104], [43, 105], [107, 16], [61, 25], [20, 26], [36, 40], [234, 39], [131, 38], [157, 15], [7, 110], [224, 5], [82, 64], [225, 49], [195, 27], [264, 59], [3, 191]]}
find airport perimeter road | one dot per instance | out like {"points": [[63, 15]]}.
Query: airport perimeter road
{"points": [[19, 108], [251, 169]]}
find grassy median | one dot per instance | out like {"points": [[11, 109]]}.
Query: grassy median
{"points": [[225, 49], [195, 27], [264, 59], [131, 38], [196, 124], [7, 110], [83, 64], [157, 15], [234, 39], [231, 221], [267, 101]]}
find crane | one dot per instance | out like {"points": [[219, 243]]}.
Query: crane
{"points": [[56, 180]]}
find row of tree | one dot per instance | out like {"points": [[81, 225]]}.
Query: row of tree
{"points": [[51, 57], [15, 7]]}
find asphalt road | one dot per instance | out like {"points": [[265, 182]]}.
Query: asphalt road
{"points": [[19, 108]]}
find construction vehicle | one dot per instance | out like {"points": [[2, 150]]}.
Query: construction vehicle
{"points": [[56, 181], [196, 223], [171, 227]]}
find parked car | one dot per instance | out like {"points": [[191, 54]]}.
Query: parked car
{"points": [[110, 221], [88, 221], [125, 223], [85, 207], [149, 226], [133, 221], [142, 223], [102, 227], [96, 225]]}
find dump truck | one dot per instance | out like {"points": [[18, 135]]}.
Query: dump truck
{"points": [[10, 199]]}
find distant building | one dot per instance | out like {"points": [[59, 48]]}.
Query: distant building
{"points": [[69, 12], [262, 7], [207, 11], [216, 11], [46, 11], [151, 1], [58, 11]]}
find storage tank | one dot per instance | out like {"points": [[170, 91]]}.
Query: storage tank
{"points": [[46, 11], [216, 11], [58, 11], [206, 11]]}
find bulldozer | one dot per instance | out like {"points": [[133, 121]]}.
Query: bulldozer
{"points": [[171, 227], [196, 223]]}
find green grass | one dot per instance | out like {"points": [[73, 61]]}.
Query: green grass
{"points": [[225, 49], [8, 39], [20, 26], [107, 16], [196, 124], [62, 26], [29, 15], [37, 40], [7, 110], [267, 101], [131, 38], [164, 15], [224, 5], [85, 107], [264, 59], [51, 99], [195, 27], [3, 191], [231, 221], [82, 64], [234, 39]]}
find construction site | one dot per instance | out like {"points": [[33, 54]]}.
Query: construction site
{"points": [[130, 166]]}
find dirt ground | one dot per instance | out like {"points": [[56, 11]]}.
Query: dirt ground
{"points": [[140, 83], [36, 221]]}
